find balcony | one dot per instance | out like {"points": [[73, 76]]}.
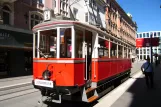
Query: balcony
{"points": [[8, 1]]}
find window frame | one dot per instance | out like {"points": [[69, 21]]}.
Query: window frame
{"points": [[75, 14], [86, 17], [40, 18], [8, 12]]}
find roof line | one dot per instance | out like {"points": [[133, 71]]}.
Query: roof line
{"points": [[148, 32]]}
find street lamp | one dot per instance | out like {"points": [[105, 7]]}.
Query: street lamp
{"points": [[151, 48]]}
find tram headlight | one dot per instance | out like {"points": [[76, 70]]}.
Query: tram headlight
{"points": [[46, 74]]}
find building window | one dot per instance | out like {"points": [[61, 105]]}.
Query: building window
{"points": [[40, 1], [86, 17], [140, 35], [54, 4], [160, 45], [75, 12], [63, 7], [140, 51], [159, 51], [144, 57], [155, 34], [147, 51], [6, 15], [151, 34], [158, 34], [154, 50], [34, 20], [143, 35], [94, 4], [144, 51], [91, 19], [147, 35]]}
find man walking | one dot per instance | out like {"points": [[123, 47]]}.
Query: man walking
{"points": [[147, 69]]}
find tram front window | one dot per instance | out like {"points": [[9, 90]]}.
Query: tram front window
{"points": [[48, 43], [65, 43], [48, 40]]}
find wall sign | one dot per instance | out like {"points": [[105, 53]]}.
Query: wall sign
{"points": [[4, 35], [146, 42], [12, 38]]}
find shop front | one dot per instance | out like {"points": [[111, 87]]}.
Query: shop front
{"points": [[15, 53]]}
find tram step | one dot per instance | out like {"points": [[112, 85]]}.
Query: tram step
{"points": [[91, 99], [90, 89]]}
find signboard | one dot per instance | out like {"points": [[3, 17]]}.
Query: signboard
{"points": [[47, 15], [146, 42], [12, 38]]}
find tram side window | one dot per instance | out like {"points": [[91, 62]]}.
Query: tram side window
{"points": [[78, 43], [53, 41], [125, 52], [48, 43], [120, 51], [65, 43], [114, 50], [129, 53], [103, 50]]}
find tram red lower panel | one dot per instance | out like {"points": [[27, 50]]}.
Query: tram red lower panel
{"points": [[64, 73], [105, 68]]}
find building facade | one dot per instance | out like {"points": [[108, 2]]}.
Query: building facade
{"points": [[17, 17], [87, 11], [120, 24], [145, 52], [105, 14]]}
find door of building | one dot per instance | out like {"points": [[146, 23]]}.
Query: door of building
{"points": [[3, 63]]}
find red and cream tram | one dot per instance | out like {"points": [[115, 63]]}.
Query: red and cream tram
{"points": [[77, 61]]}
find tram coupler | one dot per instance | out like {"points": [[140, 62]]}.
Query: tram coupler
{"points": [[41, 101]]}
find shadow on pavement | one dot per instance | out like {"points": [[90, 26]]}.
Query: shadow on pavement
{"points": [[71, 104], [144, 97]]}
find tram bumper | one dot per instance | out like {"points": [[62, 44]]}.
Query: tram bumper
{"points": [[64, 90], [59, 92]]}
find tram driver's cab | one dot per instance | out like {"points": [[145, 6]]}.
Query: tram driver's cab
{"points": [[62, 44]]}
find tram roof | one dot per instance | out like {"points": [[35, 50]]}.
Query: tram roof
{"points": [[50, 24]]}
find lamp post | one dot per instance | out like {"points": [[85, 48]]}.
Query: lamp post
{"points": [[151, 48]]}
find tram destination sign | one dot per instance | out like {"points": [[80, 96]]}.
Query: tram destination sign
{"points": [[47, 15], [147, 42]]}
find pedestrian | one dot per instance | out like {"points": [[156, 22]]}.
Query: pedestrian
{"points": [[147, 69]]}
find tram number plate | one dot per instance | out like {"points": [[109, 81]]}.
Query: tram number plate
{"points": [[44, 83]]}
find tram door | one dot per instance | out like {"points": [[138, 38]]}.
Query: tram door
{"points": [[88, 54]]}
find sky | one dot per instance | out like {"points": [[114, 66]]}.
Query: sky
{"points": [[146, 13]]}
